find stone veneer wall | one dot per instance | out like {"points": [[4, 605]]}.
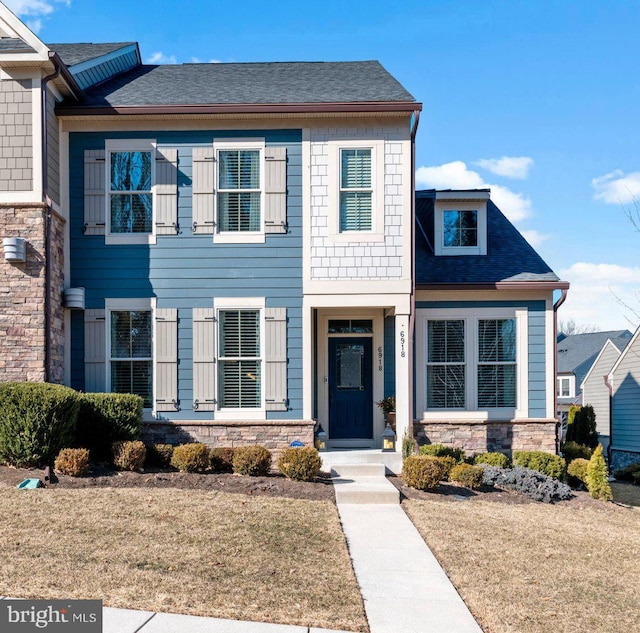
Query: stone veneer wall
{"points": [[489, 435], [621, 459], [275, 435], [22, 297]]}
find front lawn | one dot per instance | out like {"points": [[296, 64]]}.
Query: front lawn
{"points": [[187, 551], [538, 568]]}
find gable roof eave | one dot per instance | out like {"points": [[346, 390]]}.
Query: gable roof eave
{"points": [[23, 32], [595, 362], [623, 353]]}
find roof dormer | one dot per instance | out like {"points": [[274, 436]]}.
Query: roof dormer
{"points": [[460, 219]]}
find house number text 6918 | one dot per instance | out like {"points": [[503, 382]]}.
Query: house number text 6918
{"points": [[403, 340]]}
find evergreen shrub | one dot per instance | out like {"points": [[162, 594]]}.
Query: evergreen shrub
{"points": [[254, 461], [191, 458], [300, 463]]}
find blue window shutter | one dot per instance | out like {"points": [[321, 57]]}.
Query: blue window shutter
{"points": [[275, 383], [94, 192]]}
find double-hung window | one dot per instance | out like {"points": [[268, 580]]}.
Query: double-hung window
{"points": [[239, 359], [130, 181], [459, 228], [496, 363], [356, 192], [446, 375], [130, 353]]}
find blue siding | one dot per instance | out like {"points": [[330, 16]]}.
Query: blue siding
{"points": [[186, 271], [110, 67], [389, 356], [536, 339]]}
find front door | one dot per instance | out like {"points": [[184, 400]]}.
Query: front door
{"points": [[350, 388]]}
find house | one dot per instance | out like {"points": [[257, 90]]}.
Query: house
{"points": [[623, 382], [240, 244], [583, 362]]}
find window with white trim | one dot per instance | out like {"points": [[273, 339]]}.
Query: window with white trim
{"points": [[446, 370], [496, 363], [356, 191], [565, 387], [130, 184], [239, 359], [130, 353], [239, 190], [459, 228]]}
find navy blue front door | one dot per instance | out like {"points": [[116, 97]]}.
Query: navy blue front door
{"points": [[350, 388]]}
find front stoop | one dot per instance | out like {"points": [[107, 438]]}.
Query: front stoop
{"points": [[363, 483]]}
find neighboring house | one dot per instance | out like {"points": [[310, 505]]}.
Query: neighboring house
{"points": [[595, 391], [576, 356], [624, 381], [236, 243]]}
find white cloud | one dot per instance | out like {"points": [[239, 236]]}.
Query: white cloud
{"points": [[160, 58], [197, 60], [617, 187], [36, 9], [535, 238], [516, 167], [456, 175], [35, 26], [606, 295]]}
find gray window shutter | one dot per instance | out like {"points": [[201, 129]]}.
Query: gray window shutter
{"points": [[204, 366], [203, 190], [166, 359], [275, 214], [94, 192], [95, 350], [275, 383], [166, 191]]}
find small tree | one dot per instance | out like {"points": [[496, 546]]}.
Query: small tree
{"points": [[581, 426], [598, 477]]}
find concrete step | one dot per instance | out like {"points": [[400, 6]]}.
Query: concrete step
{"points": [[391, 461], [346, 471], [365, 489]]}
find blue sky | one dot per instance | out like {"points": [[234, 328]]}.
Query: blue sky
{"points": [[538, 100]]}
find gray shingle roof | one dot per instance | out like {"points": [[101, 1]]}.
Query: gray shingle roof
{"points": [[509, 256], [14, 45], [251, 83], [576, 353], [72, 54]]}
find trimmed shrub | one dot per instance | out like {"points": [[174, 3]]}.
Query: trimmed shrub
{"points": [[493, 459], [545, 463], [598, 477], [254, 461], [573, 450], [105, 418], [129, 455], [191, 458], [36, 421], [221, 460], [448, 463], [531, 483], [408, 445], [581, 427], [628, 472], [577, 472], [636, 478], [300, 463], [159, 455], [467, 475], [440, 450], [73, 462], [423, 472]]}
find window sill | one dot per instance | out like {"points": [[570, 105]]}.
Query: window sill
{"points": [[239, 238], [130, 238], [466, 415], [231, 415]]}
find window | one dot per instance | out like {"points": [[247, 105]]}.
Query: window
{"points": [[496, 363], [130, 357], [564, 387], [459, 228], [446, 364], [240, 361], [355, 190], [130, 197], [239, 190]]}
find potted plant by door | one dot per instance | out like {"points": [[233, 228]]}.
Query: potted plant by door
{"points": [[388, 406]]}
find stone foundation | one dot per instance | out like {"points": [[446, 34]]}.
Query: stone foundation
{"points": [[275, 435], [620, 459], [22, 297], [484, 436]]}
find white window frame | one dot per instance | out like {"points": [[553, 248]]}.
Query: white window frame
{"points": [[240, 303], [472, 316], [239, 237], [480, 206], [129, 145], [376, 234], [571, 380], [118, 305]]}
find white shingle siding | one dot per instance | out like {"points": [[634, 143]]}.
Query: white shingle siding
{"points": [[16, 135], [355, 260]]}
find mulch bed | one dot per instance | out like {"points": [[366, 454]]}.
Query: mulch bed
{"points": [[274, 485]]}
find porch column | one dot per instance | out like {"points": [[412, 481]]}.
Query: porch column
{"points": [[307, 361], [404, 389]]}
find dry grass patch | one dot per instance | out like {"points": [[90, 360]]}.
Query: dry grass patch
{"points": [[194, 552], [538, 568]]}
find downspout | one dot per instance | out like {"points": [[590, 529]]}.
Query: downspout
{"points": [[556, 305], [610, 388], [412, 300], [48, 220]]}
